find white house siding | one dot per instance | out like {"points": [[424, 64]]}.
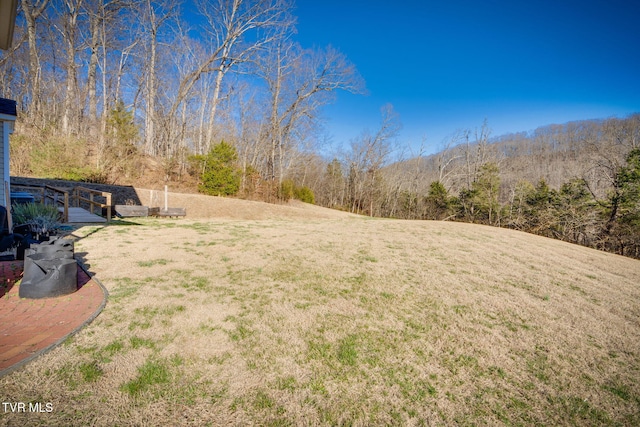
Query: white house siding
{"points": [[8, 113], [3, 168]]}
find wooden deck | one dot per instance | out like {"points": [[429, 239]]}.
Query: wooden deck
{"points": [[79, 215]]}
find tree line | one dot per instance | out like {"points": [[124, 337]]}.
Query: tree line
{"points": [[578, 182], [109, 89]]}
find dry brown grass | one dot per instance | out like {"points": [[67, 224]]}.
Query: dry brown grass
{"points": [[344, 321]]}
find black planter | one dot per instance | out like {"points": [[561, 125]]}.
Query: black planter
{"points": [[50, 247], [49, 270]]}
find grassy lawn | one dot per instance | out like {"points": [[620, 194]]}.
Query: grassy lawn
{"points": [[343, 322]]}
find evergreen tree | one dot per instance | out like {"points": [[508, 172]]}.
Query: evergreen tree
{"points": [[120, 125], [575, 212], [219, 174], [438, 201], [622, 209], [481, 202], [119, 155], [541, 210]]}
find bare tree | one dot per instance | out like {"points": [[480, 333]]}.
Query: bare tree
{"points": [[154, 16], [70, 15], [300, 82], [230, 25], [101, 16], [32, 10], [475, 153], [368, 155], [448, 157]]}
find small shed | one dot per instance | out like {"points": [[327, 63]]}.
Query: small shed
{"points": [[8, 115]]}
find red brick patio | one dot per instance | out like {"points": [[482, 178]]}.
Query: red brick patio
{"points": [[30, 327]]}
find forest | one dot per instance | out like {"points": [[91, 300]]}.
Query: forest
{"points": [[217, 96]]}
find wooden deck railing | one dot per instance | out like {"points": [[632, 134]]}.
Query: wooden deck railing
{"points": [[57, 196], [78, 196], [47, 194], [60, 197]]}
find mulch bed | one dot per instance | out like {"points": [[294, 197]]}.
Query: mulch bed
{"points": [[10, 274]]}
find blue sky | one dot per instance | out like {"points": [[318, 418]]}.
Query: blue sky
{"points": [[448, 65]]}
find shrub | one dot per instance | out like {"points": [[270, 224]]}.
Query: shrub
{"points": [[305, 194], [41, 219], [287, 190]]}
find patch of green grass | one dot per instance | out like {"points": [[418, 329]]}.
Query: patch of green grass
{"points": [[172, 310], [347, 351], [107, 352], [153, 372], [126, 288], [200, 227], [104, 354], [577, 289], [149, 313], [262, 400], [460, 309], [466, 360], [582, 411], [241, 332], [496, 370], [317, 386], [90, 371], [200, 283], [151, 263], [176, 360], [135, 324], [512, 321], [414, 389], [67, 374], [363, 255], [204, 327], [357, 281], [618, 389], [137, 342], [242, 328], [538, 364], [387, 295], [219, 359], [242, 276], [319, 349], [520, 285], [286, 383]]}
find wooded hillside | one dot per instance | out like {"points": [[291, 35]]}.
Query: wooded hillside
{"points": [[112, 90], [223, 100], [578, 182]]}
